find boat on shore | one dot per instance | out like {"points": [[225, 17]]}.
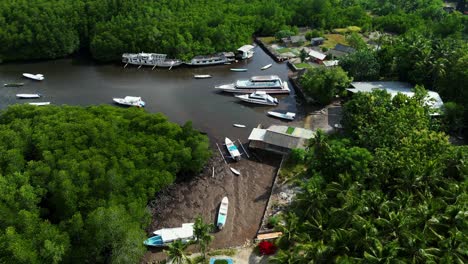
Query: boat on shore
{"points": [[13, 84], [268, 84], [236, 172], [202, 76], [166, 236], [266, 66], [130, 101], [150, 59], [206, 60], [222, 213], [238, 69], [287, 115], [40, 103], [28, 96], [37, 77], [232, 149], [258, 97]]}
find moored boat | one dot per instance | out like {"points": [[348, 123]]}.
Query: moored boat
{"points": [[238, 125], [258, 97], [233, 150], [13, 84], [266, 66], [130, 101], [40, 103], [238, 69], [287, 115], [165, 236], [235, 171], [205, 60], [245, 52], [222, 213], [37, 77], [268, 84], [28, 96], [150, 59], [202, 76]]}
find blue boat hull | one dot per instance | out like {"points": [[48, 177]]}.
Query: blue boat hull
{"points": [[154, 241]]}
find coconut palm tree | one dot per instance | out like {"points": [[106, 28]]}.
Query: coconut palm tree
{"points": [[176, 254], [202, 230]]}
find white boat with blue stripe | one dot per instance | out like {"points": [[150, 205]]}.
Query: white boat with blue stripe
{"points": [[233, 150], [222, 214]]}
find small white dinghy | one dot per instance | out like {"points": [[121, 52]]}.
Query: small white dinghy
{"points": [[236, 172], [40, 103], [28, 96], [130, 101], [37, 77], [287, 116], [222, 213], [202, 76], [238, 125], [266, 66]]}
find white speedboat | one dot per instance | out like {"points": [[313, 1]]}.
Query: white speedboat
{"points": [[28, 96], [222, 213], [166, 236], [130, 101], [266, 66], [40, 103], [287, 116], [238, 125], [202, 76], [238, 69], [258, 97], [233, 150], [269, 84], [37, 77]]}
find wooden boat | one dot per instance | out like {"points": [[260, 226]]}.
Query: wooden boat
{"points": [[238, 70], [13, 84], [258, 97], [222, 213], [130, 101], [238, 125], [287, 116], [233, 150], [28, 96], [40, 103], [37, 77], [266, 66], [165, 236], [235, 171], [202, 76]]}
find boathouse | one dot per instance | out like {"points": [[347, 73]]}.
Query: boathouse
{"points": [[280, 139], [316, 56]]}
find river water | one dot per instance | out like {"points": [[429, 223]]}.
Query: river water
{"points": [[175, 92]]}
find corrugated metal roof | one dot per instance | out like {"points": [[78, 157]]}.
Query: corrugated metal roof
{"points": [[245, 48], [276, 135], [317, 55], [393, 88]]}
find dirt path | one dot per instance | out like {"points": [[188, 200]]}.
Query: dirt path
{"points": [[247, 193]]}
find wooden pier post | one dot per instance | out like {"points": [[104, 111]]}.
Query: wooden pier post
{"points": [[153, 67], [125, 65], [139, 67]]}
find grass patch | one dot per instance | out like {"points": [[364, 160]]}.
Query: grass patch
{"points": [[333, 39], [221, 261], [303, 66], [347, 30], [267, 40], [224, 252], [290, 170], [290, 130], [283, 50]]}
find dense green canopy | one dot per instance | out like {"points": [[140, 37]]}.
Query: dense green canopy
{"points": [[392, 190], [75, 181]]}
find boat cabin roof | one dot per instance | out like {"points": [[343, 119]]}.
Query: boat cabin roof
{"points": [[132, 98], [245, 48], [265, 78], [170, 234]]}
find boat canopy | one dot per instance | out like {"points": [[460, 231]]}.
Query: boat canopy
{"points": [[265, 78], [171, 234], [245, 48]]}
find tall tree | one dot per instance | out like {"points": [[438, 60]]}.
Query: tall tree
{"points": [[201, 231]]}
